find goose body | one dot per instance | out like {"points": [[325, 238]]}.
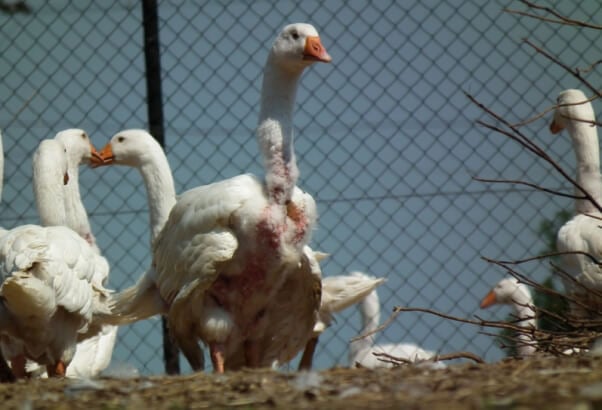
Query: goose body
{"points": [[227, 248], [582, 233], [361, 352], [48, 292]]}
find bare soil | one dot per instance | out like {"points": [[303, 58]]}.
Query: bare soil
{"points": [[541, 382]]}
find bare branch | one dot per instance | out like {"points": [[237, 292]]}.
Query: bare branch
{"points": [[378, 329], [575, 72], [526, 142], [535, 186], [590, 67], [539, 257], [388, 358], [554, 107], [559, 18]]}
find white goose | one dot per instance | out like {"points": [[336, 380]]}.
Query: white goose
{"points": [[361, 351], [509, 291], [93, 353], [48, 292], [227, 248], [581, 233]]}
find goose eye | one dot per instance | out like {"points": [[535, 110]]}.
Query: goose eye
{"points": [[120, 139], [295, 35], [84, 136]]}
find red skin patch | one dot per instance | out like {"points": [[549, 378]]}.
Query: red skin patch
{"points": [[236, 293]]}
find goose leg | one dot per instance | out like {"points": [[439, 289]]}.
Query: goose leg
{"points": [[216, 351], [193, 353], [186, 340], [18, 365], [190, 348], [308, 354], [252, 353], [59, 369]]}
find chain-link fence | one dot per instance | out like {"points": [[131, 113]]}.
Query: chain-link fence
{"points": [[386, 140]]}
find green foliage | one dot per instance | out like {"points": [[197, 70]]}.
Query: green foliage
{"points": [[548, 228]]}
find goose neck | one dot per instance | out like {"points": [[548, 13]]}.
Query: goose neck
{"points": [[76, 215], [49, 194], [370, 313], [275, 130], [587, 153], [161, 193]]}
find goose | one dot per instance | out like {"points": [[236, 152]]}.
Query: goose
{"points": [[361, 351], [509, 291], [227, 248], [581, 233], [95, 349], [48, 292]]}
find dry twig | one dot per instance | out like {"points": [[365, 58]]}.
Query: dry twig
{"points": [[516, 135], [559, 18]]}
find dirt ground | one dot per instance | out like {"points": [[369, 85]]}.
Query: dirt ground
{"points": [[538, 382]]}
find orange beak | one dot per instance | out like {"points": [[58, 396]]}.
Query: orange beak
{"points": [[555, 128], [315, 51], [95, 159], [104, 157], [488, 300]]}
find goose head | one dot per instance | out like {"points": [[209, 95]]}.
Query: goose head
{"points": [[78, 146], [297, 46], [508, 291], [572, 106], [133, 147]]}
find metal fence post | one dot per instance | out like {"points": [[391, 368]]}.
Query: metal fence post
{"points": [[155, 122]]}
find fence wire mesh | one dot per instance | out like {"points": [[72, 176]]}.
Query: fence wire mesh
{"points": [[385, 137]]}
